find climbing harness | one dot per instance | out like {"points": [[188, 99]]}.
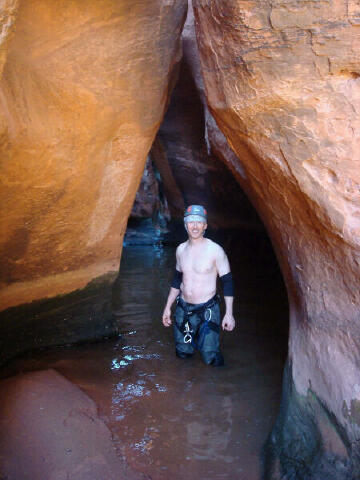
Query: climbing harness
{"points": [[206, 324]]}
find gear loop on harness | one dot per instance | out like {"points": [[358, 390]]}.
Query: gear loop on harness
{"points": [[188, 332], [205, 326]]}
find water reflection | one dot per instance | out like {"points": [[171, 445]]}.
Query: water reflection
{"points": [[210, 439], [170, 418], [127, 359]]}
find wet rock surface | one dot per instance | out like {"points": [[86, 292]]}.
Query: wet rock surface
{"points": [[176, 419], [281, 80], [52, 430], [308, 442], [83, 315]]}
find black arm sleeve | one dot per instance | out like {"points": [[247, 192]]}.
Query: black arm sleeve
{"points": [[227, 284], [177, 279]]}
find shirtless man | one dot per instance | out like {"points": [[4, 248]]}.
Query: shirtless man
{"points": [[197, 317]]}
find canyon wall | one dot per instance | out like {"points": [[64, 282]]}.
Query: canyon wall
{"points": [[282, 82], [201, 176], [188, 154], [83, 89]]}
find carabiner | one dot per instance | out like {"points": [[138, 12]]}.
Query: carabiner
{"points": [[188, 332]]}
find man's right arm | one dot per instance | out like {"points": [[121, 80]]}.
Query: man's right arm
{"points": [[166, 318], [174, 292]]}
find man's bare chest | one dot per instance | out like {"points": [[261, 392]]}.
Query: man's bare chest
{"points": [[199, 263]]}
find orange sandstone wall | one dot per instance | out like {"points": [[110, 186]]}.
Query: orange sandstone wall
{"points": [[282, 80], [83, 88]]}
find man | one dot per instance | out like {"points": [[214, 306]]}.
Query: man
{"points": [[197, 318]]}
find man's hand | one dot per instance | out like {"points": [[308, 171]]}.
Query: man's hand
{"points": [[228, 322], [166, 318]]}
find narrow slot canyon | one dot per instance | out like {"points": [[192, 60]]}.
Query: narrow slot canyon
{"points": [[116, 116], [170, 418]]}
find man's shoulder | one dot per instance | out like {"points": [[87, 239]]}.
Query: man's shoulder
{"points": [[214, 247], [180, 247]]}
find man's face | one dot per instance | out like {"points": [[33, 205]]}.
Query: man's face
{"points": [[195, 229]]}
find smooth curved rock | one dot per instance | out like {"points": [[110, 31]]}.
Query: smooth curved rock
{"points": [[52, 430], [282, 82], [83, 90]]}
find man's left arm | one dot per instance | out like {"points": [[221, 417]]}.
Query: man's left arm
{"points": [[223, 268]]}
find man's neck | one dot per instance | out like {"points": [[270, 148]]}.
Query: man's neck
{"points": [[194, 242]]}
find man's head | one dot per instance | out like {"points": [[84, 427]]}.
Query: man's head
{"points": [[195, 213], [195, 219]]}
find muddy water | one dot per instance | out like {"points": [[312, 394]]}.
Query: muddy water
{"points": [[179, 419]]}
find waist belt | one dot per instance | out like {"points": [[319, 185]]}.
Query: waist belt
{"points": [[205, 325]]}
